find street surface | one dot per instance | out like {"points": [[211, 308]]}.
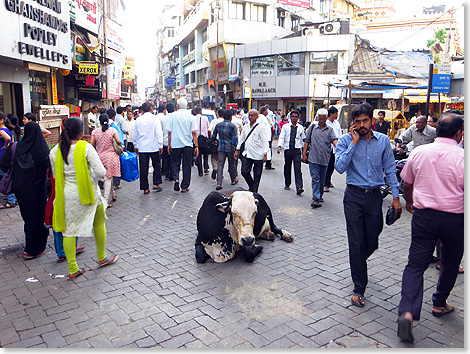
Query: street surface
{"points": [[294, 295]]}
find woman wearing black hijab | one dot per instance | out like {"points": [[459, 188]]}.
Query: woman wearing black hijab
{"points": [[29, 186]]}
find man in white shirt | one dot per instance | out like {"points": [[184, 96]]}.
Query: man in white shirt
{"points": [[121, 120], [332, 122], [129, 126], [164, 112], [92, 118], [292, 136], [148, 144], [182, 134], [214, 157], [264, 120], [202, 123], [256, 150]]}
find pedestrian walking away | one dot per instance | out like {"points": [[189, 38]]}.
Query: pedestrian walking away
{"points": [[364, 155], [182, 136], [227, 134], [434, 194], [318, 139], [255, 150], [148, 144], [332, 122], [165, 157], [202, 122], [292, 136], [78, 207]]}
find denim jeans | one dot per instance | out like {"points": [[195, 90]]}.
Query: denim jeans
{"points": [[11, 199], [317, 173], [59, 243]]}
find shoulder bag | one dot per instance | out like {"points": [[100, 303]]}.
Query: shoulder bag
{"points": [[7, 180], [118, 149], [242, 146]]}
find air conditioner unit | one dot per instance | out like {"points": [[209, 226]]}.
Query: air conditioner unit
{"points": [[283, 14], [330, 28], [307, 31]]}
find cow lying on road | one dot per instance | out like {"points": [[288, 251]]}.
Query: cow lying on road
{"points": [[228, 224]]}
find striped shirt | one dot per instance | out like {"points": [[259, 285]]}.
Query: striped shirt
{"points": [[436, 172]]}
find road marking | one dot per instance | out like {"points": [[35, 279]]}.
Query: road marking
{"points": [[144, 220], [174, 203]]}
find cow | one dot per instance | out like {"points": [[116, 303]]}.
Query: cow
{"points": [[227, 224]]}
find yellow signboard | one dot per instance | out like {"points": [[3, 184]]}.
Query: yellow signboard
{"points": [[54, 89], [88, 68], [129, 68]]}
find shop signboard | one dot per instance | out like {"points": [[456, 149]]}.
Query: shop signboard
{"points": [[85, 14], [299, 3], [113, 36], [114, 81], [129, 68], [88, 68], [37, 32], [441, 78]]}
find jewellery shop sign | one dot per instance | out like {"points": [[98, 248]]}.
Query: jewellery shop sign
{"points": [[36, 31]]}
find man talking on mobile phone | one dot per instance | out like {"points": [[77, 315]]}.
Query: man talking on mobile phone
{"points": [[364, 154]]}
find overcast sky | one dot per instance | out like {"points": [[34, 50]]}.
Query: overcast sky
{"points": [[142, 19]]}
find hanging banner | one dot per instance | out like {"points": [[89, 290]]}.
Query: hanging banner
{"points": [[54, 89], [129, 68]]}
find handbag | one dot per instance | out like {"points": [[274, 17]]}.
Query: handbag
{"points": [[211, 147], [118, 149], [129, 166], [7, 181], [242, 146], [390, 216]]}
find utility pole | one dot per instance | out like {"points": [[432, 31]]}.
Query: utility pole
{"points": [[105, 30], [217, 62]]}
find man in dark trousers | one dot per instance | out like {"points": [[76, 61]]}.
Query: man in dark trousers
{"points": [[292, 135], [434, 194], [364, 155]]}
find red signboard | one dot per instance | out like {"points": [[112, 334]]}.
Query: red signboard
{"points": [[299, 3]]}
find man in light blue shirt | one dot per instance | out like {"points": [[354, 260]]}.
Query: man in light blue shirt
{"points": [[182, 134], [112, 123], [364, 155]]}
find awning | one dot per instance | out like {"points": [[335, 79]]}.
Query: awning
{"points": [[422, 99]]}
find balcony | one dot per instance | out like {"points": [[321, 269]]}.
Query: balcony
{"points": [[190, 57]]}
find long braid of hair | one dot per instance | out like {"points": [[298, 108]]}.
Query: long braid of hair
{"points": [[65, 142]]}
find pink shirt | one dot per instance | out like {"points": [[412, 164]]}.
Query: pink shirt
{"points": [[436, 171]]}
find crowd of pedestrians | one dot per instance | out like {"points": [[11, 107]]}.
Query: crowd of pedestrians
{"points": [[60, 188]]}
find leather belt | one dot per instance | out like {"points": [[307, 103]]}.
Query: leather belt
{"points": [[364, 190]]}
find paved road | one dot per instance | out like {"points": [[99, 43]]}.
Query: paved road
{"points": [[156, 295]]}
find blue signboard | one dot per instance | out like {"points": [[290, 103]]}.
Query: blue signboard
{"points": [[440, 83], [170, 81]]}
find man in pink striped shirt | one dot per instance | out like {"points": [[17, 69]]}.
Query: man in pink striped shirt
{"points": [[434, 194]]}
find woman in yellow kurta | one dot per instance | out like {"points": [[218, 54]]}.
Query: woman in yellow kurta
{"points": [[78, 207]]}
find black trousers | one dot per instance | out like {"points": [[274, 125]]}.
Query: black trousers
{"points": [[199, 161], [329, 170], [293, 156], [166, 163], [364, 223], [247, 165], [130, 146], [427, 225], [185, 154], [269, 163], [144, 160]]}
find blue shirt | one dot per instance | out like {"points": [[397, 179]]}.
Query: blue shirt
{"points": [[227, 136], [365, 162], [181, 125]]}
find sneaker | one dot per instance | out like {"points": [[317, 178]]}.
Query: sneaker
{"points": [[176, 187], [315, 204], [300, 191]]}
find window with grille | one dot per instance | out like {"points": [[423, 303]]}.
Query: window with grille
{"points": [[291, 64]]}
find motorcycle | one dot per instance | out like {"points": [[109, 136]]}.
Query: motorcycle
{"points": [[400, 153]]}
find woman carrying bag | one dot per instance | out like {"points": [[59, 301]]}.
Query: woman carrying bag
{"points": [[103, 139], [78, 206]]}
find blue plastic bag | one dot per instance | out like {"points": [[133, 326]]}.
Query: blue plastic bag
{"points": [[129, 166]]}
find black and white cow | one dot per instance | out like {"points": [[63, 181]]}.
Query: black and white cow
{"points": [[227, 224]]}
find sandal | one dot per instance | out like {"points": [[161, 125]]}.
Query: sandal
{"points": [[109, 206], [147, 191], [114, 197], [448, 308], [61, 259], [235, 182], [438, 267], [357, 300], [107, 261], [77, 274], [79, 250], [7, 206]]}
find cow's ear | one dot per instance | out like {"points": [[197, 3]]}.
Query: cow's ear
{"points": [[224, 207]]}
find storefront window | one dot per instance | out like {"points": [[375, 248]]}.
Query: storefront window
{"points": [[291, 64], [324, 63], [38, 85], [262, 66]]}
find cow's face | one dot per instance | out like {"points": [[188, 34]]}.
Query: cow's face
{"points": [[241, 209]]}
